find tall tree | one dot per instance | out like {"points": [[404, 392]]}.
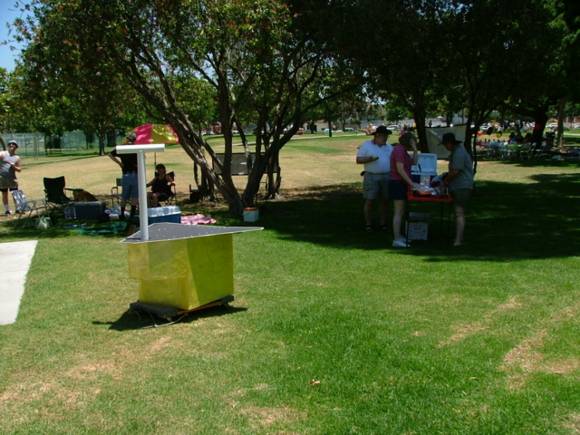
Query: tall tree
{"points": [[400, 51], [64, 63], [249, 52]]}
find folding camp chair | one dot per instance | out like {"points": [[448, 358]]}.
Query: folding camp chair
{"points": [[25, 207], [54, 189]]}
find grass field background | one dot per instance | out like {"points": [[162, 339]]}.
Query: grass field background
{"points": [[332, 331]]}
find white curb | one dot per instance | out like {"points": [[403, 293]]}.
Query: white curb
{"points": [[15, 259]]}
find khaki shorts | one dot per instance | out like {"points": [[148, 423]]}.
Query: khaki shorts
{"points": [[375, 185], [461, 196]]}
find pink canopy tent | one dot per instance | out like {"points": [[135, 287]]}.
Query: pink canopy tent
{"points": [[155, 133]]}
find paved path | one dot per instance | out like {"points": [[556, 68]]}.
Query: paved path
{"points": [[15, 259]]}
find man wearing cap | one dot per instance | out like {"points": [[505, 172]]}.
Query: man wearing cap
{"points": [[459, 181], [9, 165], [375, 155], [130, 184]]}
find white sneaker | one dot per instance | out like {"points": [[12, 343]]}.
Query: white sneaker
{"points": [[400, 243]]}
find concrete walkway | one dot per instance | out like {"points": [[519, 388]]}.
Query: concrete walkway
{"points": [[15, 259]]}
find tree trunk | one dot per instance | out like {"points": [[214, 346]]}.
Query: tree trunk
{"points": [[194, 146], [254, 179], [203, 182], [329, 128], [102, 137], [274, 176], [419, 118], [560, 134], [540, 120]]}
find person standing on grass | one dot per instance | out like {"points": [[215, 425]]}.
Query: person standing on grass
{"points": [[9, 165], [401, 182], [375, 155], [130, 184], [459, 181]]}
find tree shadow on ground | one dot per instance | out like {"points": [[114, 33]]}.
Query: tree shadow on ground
{"points": [[506, 221], [27, 228], [542, 163], [131, 320]]}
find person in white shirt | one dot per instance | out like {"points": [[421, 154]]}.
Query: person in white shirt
{"points": [[9, 165], [375, 155]]}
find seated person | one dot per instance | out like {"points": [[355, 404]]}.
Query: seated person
{"points": [[161, 185]]}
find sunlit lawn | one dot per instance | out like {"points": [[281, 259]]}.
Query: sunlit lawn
{"points": [[332, 331]]}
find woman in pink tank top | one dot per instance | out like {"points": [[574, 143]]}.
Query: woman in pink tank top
{"points": [[400, 181]]}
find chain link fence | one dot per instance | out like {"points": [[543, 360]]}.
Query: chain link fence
{"points": [[37, 144]]}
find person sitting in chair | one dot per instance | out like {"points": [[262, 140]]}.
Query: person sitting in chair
{"points": [[161, 185]]}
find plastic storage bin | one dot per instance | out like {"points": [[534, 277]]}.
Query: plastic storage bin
{"points": [[251, 214]]}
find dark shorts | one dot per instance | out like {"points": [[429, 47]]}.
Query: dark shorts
{"points": [[398, 190], [8, 184], [461, 196], [161, 196], [375, 185], [130, 186]]}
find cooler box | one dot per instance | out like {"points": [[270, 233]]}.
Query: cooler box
{"points": [[425, 169], [170, 214], [94, 210]]}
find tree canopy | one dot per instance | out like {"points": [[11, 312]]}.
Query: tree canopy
{"points": [[275, 64]]}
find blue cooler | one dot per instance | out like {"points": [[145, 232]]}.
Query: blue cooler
{"points": [[170, 214]]}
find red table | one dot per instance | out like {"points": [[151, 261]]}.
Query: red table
{"points": [[415, 197], [434, 199]]}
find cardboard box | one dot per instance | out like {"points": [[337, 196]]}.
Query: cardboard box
{"points": [[418, 226], [418, 231]]}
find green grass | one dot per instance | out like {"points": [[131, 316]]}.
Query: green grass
{"points": [[331, 330]]}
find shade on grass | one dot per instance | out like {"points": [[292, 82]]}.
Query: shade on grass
{"points": [[331, 332]]}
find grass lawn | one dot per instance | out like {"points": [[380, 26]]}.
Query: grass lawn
{"points": [[332, 331]]}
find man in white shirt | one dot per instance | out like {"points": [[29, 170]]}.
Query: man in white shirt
{"points": [[375, 155], [9, 165]]}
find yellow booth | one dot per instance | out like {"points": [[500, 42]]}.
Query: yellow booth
{"points": [[183, 266]]}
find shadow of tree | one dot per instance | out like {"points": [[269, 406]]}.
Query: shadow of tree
{"points": [[26, 228], [542, 163], [506, 221]]}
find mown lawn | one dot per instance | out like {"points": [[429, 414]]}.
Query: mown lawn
{"points": [[332, 331]]}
